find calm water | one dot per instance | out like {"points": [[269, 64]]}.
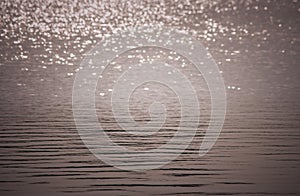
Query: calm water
{"points": [[256, 45]]}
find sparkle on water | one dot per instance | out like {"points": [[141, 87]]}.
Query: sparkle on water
{"points": [[28, 27]]}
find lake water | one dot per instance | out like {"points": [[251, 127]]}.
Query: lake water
{"points": [[254, 43]]}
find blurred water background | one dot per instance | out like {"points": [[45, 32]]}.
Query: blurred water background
{"points": [[255, 44]]}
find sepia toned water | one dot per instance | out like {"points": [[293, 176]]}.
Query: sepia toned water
{"points": [[254, 43]]}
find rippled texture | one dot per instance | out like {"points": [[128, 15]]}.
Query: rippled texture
{"points": [[256, 45]]}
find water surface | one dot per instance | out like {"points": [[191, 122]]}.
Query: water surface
{"points": [[256, 46]]}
